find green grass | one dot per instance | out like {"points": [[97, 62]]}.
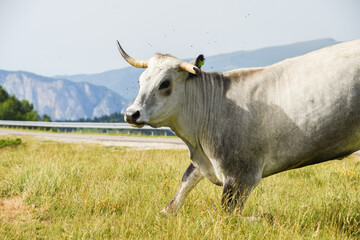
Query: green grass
{"points": [[51, 190], [9, 142]]}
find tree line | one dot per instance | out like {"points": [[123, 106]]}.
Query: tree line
{"points": [[12, 108], [114, 117]]}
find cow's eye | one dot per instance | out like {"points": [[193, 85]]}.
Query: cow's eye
{"points": [[165, 84]]}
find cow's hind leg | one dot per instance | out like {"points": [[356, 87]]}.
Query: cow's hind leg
{"points": [[189, 180]]}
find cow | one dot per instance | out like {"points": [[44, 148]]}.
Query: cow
{"points": [[247, 124]]}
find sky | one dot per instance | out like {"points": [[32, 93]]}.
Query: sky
{"points": [[65, 37]]}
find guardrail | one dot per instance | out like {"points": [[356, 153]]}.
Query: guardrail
{"points": [[81, 126]]}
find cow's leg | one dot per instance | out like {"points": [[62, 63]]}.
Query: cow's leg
{"points": [[236, 192], [189, 180]]}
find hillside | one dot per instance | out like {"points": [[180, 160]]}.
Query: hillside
{"points": [[62, 99]]}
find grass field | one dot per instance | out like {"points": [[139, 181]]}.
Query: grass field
{"points": [[51, 190]]}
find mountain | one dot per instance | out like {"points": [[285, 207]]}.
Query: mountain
{"points": [[62, 99], [125, 81], [264, 56]]}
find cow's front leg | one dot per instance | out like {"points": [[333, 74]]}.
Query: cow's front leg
{"points": [[189, 180], [235, 194], [236, 191]]}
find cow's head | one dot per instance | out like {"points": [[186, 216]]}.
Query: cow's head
{"points": [[162, 88]]}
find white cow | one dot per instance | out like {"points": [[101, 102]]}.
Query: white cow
{"points": [[247, 124]]}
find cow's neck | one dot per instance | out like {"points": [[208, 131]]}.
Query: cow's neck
{"points": [[197, 121]]}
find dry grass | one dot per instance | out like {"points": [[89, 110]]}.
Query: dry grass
{"points": [[78, 191], [15, 210]]}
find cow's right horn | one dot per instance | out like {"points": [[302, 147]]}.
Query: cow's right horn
{"points": [[132, 61]]}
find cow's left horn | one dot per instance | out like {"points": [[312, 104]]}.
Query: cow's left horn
{"points": [[132, 61], [191, 68]]}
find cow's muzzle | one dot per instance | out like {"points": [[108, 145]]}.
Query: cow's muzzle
{"points": [[132, 117]]}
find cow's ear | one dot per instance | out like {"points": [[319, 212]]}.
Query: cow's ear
{"points": [[199, 61]]}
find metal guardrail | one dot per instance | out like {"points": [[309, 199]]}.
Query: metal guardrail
{"points": [[76, 125]]}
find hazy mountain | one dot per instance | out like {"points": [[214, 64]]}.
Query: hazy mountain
{"points": [[125, 81], [62, 99], [262, 57]]}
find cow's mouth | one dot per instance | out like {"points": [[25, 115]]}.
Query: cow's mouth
{"points": [[134, 123], [137, 125]]}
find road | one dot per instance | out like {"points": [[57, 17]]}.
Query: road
{"points": [[108, 140]]}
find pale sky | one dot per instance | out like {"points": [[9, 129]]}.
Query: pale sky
{"points": [[56, 37]]}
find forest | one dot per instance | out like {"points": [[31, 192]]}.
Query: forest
{"points": [[12, 108]]}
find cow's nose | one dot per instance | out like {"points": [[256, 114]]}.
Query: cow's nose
{"points": [[132, 116]]}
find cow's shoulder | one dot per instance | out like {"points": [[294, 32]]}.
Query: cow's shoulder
{"points": [[244, 73]]}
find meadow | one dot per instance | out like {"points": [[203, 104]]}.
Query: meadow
{"points": [[51, 190]]}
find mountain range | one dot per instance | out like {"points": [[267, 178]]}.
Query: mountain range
{"points": [[73, 97], [125, 81], [62, 99]]}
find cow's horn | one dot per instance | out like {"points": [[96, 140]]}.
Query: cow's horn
{"points": [[132, 61], [191, 68]]}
